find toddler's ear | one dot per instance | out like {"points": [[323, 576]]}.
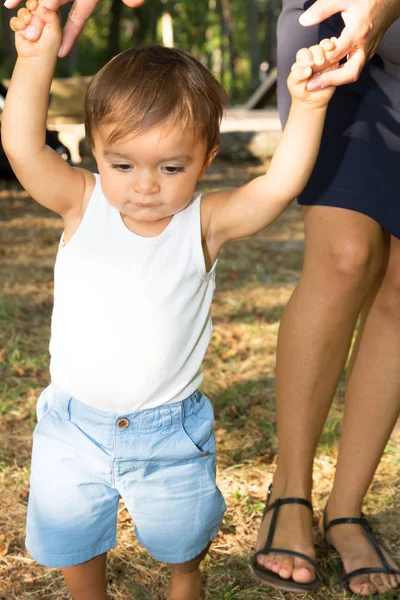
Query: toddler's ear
{"points": [[208, 160]]}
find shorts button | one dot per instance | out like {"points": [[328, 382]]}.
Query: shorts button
{"points": [[122, 423]]}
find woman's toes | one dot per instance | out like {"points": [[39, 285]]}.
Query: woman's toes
{"points": [[362, 586], [393, 581], [276, 562], [381, 582], [303, 572], [286, 569], [264, 560]]}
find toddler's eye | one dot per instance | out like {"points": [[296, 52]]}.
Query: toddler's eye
{"points": [[170, 170], [121, 167]]}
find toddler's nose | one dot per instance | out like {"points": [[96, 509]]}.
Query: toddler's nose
{"points": [[146, 183]]}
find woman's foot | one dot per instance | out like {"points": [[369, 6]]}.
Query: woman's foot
{"points": [[293, 532], [356, 551]]}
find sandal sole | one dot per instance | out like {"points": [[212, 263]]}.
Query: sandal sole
{"points": [[287, 585]]}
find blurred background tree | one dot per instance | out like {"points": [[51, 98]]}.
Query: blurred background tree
{"points": [[234, 38]]}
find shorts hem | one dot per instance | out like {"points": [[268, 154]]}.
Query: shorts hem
{"points": [[190, 555], [70, 560], [350, 201]]}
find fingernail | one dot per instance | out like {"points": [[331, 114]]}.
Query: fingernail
{"points": [[61, 50], [313, 85], [7, 3], [31, 32], [305, 18]]}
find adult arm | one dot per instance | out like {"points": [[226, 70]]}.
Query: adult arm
{"points": [[78, 15], [365, 24]]}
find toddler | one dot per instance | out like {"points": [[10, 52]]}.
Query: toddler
{"points": [[134, 280]]}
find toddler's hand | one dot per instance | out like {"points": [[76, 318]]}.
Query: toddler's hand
{"points": [[50, 40], [310, 61]]}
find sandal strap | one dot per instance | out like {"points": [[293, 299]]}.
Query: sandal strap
{"points": [[292, 553], [346, 578], [343, 521], [386, 568], [275, 507]]}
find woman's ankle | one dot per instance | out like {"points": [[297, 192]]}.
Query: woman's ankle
{"points": [[340, 506], [285, 485]]}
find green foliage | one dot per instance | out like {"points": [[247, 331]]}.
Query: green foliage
{"points": [[201, 28]]}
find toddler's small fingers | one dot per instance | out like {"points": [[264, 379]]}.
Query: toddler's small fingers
{"points": [[32, 5], [34, 29], [24, 15], [301, 73], [327, 44], [297, 64], [319, 55], [16, 24], [305, 57]]}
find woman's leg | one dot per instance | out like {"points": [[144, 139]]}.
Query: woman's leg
{"points": [[372, 407], [343, 254], [87, 581]]}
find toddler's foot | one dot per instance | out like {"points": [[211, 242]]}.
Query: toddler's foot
{"points": [[357, 552], [185, 586]]}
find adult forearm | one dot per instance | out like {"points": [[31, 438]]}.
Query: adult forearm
{"points": [[23, 125]]}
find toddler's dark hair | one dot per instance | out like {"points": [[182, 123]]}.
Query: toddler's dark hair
{"points": [[147, 87]]}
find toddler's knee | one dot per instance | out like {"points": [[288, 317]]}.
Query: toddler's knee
{"points": [[189, 567]]}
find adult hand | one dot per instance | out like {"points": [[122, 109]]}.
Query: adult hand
{"points": [[365, 24], [78, 15]]}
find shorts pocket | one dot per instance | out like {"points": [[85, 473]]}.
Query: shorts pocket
{"points": [[43, 408], [198, 429]]}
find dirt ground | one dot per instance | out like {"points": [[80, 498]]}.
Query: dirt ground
{"points": [[255, 280]]}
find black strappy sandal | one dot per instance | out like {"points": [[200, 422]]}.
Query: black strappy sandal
{"points": [[345, 578], [266, 575]]}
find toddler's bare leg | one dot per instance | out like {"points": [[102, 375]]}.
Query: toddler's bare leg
{"points": [[186, 581], [87, 581]]}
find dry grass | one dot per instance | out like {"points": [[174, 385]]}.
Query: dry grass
{"points": [[256, 278]]}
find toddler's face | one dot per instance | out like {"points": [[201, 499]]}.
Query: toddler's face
{"points": [[150, 177]]}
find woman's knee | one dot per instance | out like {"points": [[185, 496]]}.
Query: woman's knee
{"points": [[346, 248], [354, 261]]}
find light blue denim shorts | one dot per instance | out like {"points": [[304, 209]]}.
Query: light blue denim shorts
{"points": [[160, 461]]}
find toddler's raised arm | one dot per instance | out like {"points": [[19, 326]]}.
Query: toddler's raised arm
{"points": [[249, 209], [43, 173]]}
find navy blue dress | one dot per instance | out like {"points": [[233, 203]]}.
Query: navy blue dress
{"points": [[358, 167]]}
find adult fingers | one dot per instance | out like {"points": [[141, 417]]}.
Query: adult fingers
{"points": [[344, 45], [347, 73], [133, 3], [321, 10], [78, 15]]}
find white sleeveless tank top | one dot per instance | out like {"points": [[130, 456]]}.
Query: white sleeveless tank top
{"points": [[131, 320]]}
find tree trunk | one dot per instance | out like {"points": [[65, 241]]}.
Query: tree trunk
{"points": [[7, 35], [272, 16], [66, 66], [114, 33], [227, 28], [254, 44]]}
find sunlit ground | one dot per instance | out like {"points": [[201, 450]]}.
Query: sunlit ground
{"points": [[255, 280]]}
